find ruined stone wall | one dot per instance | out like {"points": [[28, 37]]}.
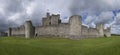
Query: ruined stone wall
{"points": [[53, 30], [93, 32], [46, 21], [84, 31], [3, 34], [63, 30], [18, 31]]}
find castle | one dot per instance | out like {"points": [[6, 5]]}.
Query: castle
{"points": [[53, 27]]}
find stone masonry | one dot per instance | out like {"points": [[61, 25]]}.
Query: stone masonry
{"points": [[52, 27]]}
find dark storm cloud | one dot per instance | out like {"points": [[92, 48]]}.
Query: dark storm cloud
{"points": [[8, 10], [4, 24]]}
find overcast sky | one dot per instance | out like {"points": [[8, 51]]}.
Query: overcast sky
{"points": [[14, 12]]}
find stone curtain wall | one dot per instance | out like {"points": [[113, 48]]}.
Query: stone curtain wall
{"points": [[52, 27], [3, 34], [93, 32], [19, 31], [53, 30], [84, 31]]}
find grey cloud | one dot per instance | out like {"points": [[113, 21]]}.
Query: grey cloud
{"points": [[115, 29], [93, 6], [90, 19], [8, 9], [117, 19], [15, 12], [105, 18]]}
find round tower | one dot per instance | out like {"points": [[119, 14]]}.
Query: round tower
{"points": [[75, 25], [100, 28], [10, 32], [29, 29]]}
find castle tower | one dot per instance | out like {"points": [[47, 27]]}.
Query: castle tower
{"points": [[75, 25], [55, 19], [100, 28], [107, 32], [29, 29], [46, 21], [51, 19], [48, 15], [10, 32]]}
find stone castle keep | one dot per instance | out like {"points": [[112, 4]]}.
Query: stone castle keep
{"points": [[52, 27]]}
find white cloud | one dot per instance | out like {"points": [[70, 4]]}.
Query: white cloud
{"points": [[105, 17], [115, 29], [117, 20], [90, 19]]}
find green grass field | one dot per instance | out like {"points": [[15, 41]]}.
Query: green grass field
{"points": [[56, 46]]}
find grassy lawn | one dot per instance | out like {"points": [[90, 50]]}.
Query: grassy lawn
{"points": [[55, 46]]}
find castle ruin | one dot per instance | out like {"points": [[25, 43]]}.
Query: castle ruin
{"points": [[53, 27]]}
